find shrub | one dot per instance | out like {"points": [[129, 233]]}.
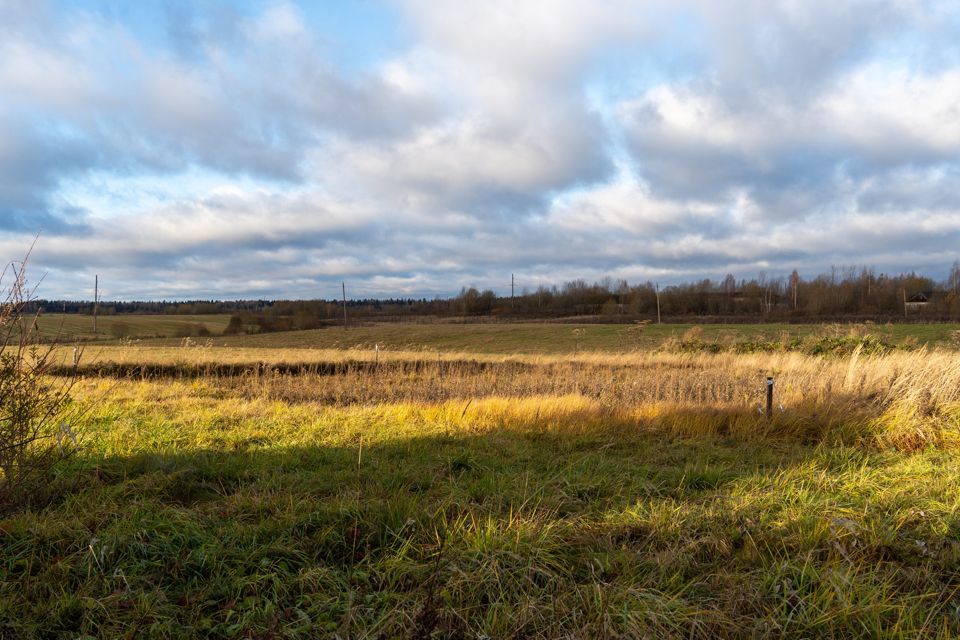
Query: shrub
{"points": [[34, 435], [235, 325]]}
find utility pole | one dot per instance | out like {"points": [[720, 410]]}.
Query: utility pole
{"points": [[96, 300], [343, 285], [658, 302], [511, 292]]}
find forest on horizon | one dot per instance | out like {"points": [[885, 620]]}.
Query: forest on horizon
{"points": [[846, 293]]}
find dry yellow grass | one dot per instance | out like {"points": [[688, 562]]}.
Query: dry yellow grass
{"points": [[906, 400]]}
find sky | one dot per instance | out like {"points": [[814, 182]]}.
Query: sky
{"points": [[206, 149]]}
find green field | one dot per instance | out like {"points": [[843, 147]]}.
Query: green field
{"points": [[543, 338], [499, 338], [68, 327]]}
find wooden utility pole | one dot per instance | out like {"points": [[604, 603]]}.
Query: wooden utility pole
{"points": [[511, 292], [794, 285], [96, 300], [658, 302], [343, 286]]}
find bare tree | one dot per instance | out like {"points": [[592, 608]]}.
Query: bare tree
{"points": [[953, 282], [794, 285]]}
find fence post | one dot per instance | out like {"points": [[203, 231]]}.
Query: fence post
{"points": [[769, 397]]}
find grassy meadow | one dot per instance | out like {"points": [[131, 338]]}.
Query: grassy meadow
{"points": [[506, 338], [500, 481], [69, 327]]}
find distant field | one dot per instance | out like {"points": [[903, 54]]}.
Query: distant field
{"points": [[141, 343], [80, 327], [541, 338]]}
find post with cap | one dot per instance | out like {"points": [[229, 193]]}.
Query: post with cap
{"points": [[769, 397]]}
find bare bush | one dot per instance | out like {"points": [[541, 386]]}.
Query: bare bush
{"points": [[35, 430]]}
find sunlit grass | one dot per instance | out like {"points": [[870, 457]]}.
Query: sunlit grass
{"points": [[607, 495]]}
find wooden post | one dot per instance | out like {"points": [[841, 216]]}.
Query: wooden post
{"points": [[769, 397], [343, 286], [511, 293], [904, 302]]}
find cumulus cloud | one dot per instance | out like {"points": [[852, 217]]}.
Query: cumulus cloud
{"points": [[251, 101], [798, 151], [560, 139]]}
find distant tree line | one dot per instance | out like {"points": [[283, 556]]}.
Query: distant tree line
{"points": [[844, 292], [851, 293]]}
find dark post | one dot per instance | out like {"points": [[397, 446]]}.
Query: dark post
{"points": [[343, 286], [769, 396]]}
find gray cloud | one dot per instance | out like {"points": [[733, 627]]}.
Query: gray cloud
{"points": [[31, 164], [249, 100], [506, 138]]}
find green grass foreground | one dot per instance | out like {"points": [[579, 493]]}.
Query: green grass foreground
{"points": [[197, 514]]}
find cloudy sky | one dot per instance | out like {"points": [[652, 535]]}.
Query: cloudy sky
{"points": [[410, 147]]}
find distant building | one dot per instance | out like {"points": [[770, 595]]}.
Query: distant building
{"points": [[918, 301]]}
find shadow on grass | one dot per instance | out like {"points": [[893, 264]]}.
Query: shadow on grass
{"points": [[189, 371], [508, 533]]}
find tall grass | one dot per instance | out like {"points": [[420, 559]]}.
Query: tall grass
{"points": [[907, 400], [621, 496]]}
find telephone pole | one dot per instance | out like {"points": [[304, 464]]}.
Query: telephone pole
{"points": [[96, 300], [343, 286]]}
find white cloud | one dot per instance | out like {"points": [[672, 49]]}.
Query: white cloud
{"points": [[504, 136]]}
